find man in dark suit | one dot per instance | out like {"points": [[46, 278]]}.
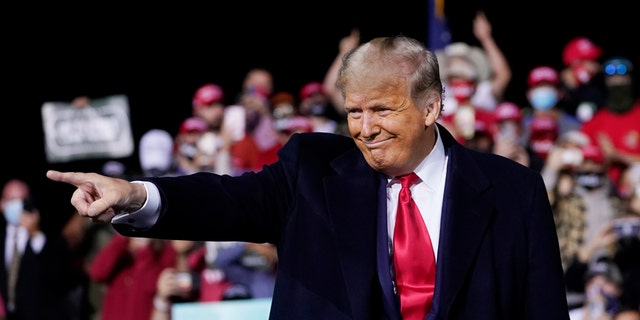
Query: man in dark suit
{"points": [[40, 285], [328, 204]]}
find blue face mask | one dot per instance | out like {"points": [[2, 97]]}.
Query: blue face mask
{"points": [[543, 98], [12, 211]]}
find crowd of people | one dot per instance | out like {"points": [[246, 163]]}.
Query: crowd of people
{"points": [[580, 131]]}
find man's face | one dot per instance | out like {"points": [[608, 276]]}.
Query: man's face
{"points": [[603, 285], [260, 80], [12, 190], [462, 89], [391, 132], [211, 114]]}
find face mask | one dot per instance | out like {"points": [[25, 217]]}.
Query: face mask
{"points": [[582, 74], [252, 120], [317, 109], [612, 303], [543, 98], [462, 90], [542, 145], [619, 98], [590, 180], [12, 211], [188, 150]]}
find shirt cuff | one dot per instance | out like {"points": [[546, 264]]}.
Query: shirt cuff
{"points": [[147, 215]]}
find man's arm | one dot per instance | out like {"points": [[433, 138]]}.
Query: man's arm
{"points": [[329, 83]]}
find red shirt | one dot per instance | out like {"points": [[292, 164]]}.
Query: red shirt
{"points": [[246, 156], [623, 130], [131, 280]]}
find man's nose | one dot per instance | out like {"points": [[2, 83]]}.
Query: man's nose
{"points": [[370, 124]]}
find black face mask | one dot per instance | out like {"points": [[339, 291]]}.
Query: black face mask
{"points": [[318, 109], [628, 247], [590, 180], [619, 98]]}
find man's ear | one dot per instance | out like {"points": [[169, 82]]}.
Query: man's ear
{"points": [[433, 111]]}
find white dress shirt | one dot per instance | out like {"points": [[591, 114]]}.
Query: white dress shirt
{"points": [[427, 194], [20, 234]]}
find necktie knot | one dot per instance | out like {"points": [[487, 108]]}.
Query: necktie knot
{"points": [[407, 180]]}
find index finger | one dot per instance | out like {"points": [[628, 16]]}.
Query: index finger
{"points": [[74, 178]]}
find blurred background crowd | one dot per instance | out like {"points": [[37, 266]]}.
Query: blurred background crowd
{"points": [[563, 101]]}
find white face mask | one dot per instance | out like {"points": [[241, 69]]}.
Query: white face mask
{"points": [[543, 98], [13, 210]]}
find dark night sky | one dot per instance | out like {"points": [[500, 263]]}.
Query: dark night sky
{"points": [[158, 56]]}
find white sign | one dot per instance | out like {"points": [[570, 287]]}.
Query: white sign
{"points": [[99, 130]]}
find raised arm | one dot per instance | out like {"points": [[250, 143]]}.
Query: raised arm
{"points": [[501, 71], [346, 44]]}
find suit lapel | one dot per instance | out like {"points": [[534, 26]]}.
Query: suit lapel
{"points": [[467, 210], [384, 261]]}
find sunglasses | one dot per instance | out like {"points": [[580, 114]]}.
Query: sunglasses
{"points": [[611, 69]]}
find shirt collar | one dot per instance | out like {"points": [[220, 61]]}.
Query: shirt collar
{"points": [[432, 167]]}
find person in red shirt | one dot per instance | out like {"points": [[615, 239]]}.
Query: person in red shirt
{"points": [[130, 267], [616, 127]]}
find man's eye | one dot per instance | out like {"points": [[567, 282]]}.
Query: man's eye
{"points": [[355, 113]]}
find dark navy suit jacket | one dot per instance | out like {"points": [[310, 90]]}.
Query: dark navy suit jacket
{"points": [[43, 279], [325, 209]]}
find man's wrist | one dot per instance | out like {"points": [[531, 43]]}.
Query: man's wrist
{"points": [[140, 192]]}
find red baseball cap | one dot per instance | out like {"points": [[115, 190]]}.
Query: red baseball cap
{"points": [[507, 110], [207, 95], [544, 126], [580, 48], [593, 153], [544, 132], [193, 124], [310, 89], [543, 74]]}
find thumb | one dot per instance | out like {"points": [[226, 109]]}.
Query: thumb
{"points": [[105, 216], [101, 207]]}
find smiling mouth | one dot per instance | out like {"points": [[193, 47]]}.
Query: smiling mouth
{"points": [[374, 144]]}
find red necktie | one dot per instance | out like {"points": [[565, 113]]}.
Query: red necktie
{"points": [[413, 257]]}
